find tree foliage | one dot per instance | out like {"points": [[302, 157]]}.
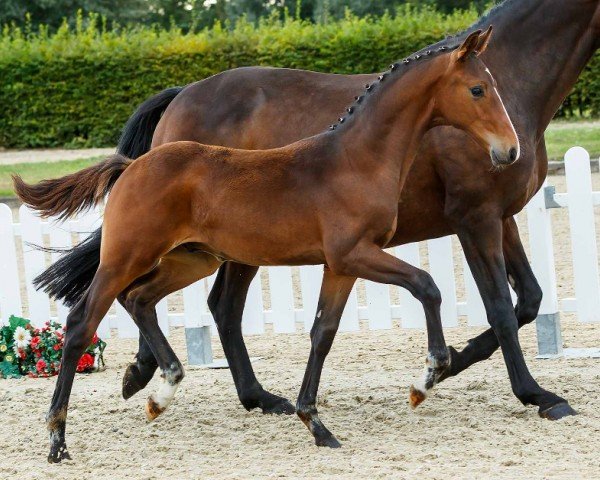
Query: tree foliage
{"points": [[197, 14], [77, 87]]}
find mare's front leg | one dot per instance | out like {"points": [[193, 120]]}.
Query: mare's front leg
{"points": [[226, 302], [482, 241], [332, 299], [529, 298]]}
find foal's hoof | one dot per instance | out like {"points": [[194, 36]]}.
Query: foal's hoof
{"points": [[557, 411], [416, 396], [153, 410], [131, 382], [278, 406], [58, 453], [327, 441]]}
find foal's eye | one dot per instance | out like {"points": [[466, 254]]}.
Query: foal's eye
{"points": [[477, 91]]}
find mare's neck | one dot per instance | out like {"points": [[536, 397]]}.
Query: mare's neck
{"points": [[383, 133], [538, 50]]}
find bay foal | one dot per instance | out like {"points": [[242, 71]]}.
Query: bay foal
{"points": [[330, 199]]}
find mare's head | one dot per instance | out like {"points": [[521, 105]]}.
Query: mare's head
{"points": [[466, 98]]}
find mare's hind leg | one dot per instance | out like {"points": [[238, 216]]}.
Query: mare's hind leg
{"points": [[176, 270], [226, 303], [332, 299], [139, 373]]}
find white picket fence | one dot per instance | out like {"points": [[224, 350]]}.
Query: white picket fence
{"points": [[379, 312]]}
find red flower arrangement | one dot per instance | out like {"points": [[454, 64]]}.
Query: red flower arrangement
{"points": [[37, 352]]}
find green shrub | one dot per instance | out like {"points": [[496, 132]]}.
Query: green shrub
{"points": [[78, 87]]}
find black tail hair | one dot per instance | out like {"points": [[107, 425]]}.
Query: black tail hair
{"points": [[69, 278], [136, 137]]}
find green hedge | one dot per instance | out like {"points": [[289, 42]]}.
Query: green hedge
{"points": [[77, 88]]}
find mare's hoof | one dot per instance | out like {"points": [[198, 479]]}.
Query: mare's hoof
{"points": [[281, 406], [416, 397], [153, 410], [131, 383], [558, 411], [328, 441], [58, 454]]}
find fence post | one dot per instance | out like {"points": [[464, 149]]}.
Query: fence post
{"points": [[441, 268], [583, 234], [413, 315], [282, 299], [253, 316], [311, 277], [378, 305], [547, 323], [197, 333], [476, 314], [349, 321], [31, 232], [10, 295]]}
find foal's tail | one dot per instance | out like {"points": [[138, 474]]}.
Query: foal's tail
{"points": [[71, 194], [70, 276]]}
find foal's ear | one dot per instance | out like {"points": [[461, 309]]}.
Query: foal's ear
{"points": [[468, 46], [484, 39]]}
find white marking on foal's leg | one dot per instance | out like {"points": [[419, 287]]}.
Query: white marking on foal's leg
{"points": [[420, 389], [158, 402]]}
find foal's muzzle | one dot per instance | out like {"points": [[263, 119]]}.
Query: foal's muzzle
{"points": [[504, 158]]}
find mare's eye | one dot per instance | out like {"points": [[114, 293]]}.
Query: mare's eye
{"points": [[477, 91]]}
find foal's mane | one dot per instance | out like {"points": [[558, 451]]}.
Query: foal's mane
{"points": [[398, 69], [395, 72]]}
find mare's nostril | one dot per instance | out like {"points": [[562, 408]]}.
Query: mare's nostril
{"points": [[512, 154]]}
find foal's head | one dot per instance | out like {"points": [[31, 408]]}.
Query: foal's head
{"points": [[466, 97]]}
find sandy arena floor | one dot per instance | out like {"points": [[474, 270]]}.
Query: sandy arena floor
{"points": [[471, 427]]}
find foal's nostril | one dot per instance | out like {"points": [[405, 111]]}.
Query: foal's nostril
{"points": [[512, 154]]}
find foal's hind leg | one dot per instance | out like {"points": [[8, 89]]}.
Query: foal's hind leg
{"points": [[332, 299], [82, 322], [176, 270]]}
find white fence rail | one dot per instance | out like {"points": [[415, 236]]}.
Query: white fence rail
{"points": [[16, 290], [285, 318]]}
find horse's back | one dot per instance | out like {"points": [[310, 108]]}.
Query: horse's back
{"points": [[258, 107]]}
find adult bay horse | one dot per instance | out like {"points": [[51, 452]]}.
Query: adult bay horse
{"points": [[539, 49], [330, 199]]}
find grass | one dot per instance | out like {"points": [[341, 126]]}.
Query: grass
{"points": [[560, 136], [34, 172]]}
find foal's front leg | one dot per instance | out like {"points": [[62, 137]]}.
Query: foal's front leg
{"points": [[332, 299], [368, 261]]}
